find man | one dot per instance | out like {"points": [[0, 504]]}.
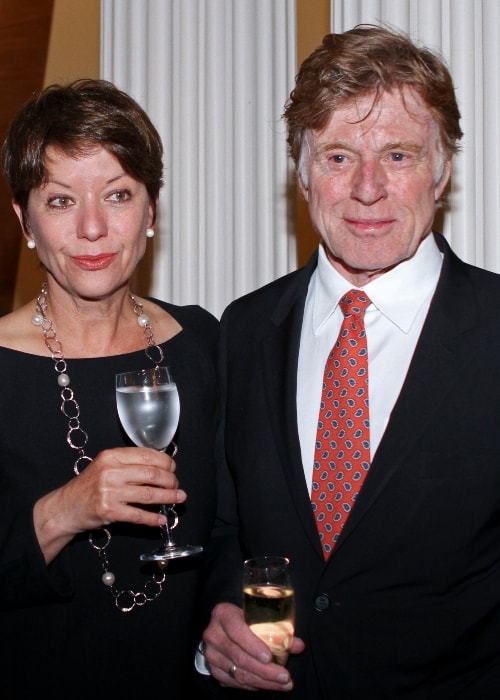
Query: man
{"points": [[404, 600]]}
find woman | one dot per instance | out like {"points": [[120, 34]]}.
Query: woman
{"points": [[80, 614]]}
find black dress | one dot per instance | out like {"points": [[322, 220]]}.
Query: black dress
{"points": [[62, 634]]}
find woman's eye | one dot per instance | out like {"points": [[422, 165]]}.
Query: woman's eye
{"points": [[120, 196], [60, 202]]}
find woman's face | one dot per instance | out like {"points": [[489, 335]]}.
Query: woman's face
{"points": [[89, 222]]}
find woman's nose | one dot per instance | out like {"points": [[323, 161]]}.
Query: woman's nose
{"points": [[92, 222]]}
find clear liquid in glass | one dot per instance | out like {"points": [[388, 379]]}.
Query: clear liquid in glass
{"points": [[140, 409]]}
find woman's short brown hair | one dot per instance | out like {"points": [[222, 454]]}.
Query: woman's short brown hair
{"points": [[77, 118]]}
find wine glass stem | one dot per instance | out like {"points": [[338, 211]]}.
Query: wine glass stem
{"points": [[168, 511]]}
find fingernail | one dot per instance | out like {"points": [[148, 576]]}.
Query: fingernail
{"points": [[284, 678]]}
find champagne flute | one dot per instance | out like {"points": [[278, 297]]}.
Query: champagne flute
{"points": [[148, 407], [269, 603]]}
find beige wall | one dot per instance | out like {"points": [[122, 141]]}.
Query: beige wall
{"points": [[313, 22], [74, 52], [74, 41]]}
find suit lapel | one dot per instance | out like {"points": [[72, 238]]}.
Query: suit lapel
{"points": [[280, 352], [436, 364]]}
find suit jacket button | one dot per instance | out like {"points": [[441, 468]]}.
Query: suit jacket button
{"points": [[322, 602]]}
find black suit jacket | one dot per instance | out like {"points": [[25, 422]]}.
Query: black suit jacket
{"points": [[408, 605]]}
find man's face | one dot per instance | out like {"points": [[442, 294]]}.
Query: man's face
{"points": [[372, 183]]}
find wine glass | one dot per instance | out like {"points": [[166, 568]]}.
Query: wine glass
{"points": [[148, 408], [269, 603]]}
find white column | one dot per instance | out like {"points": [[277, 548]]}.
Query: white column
{"points": [[466, 33], [213, 75]]}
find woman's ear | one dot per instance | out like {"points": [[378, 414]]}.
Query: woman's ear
{"points": [[24, 224], [152, 212]]}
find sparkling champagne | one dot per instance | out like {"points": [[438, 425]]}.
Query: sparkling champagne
{"points": [[270, 613]]}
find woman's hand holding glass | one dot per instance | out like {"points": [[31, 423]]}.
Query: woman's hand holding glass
{"points": [[148, 407]]}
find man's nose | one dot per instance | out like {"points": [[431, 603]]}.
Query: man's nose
{"points": [[369, 181]]}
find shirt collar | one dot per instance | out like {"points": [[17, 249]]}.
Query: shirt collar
{"points": [[398, 294]]}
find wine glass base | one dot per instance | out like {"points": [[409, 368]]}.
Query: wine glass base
{"points": [[172, 552]]}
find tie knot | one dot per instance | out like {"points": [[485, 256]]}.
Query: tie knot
{"points": [[354, 303]]}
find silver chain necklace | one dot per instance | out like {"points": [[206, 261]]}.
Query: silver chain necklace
{"points": [[77, 438]]}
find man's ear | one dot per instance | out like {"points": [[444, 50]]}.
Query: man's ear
{"points": [[302, 187], [443, 180]]}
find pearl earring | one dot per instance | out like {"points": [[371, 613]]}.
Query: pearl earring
{"points": [[31, 243], [150, 232]]}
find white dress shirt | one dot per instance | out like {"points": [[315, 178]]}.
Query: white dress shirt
{"points": [[399, 303]]}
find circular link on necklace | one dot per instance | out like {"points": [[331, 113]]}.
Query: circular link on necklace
{"points": [[122, 595], [82, 462], [100, 547], [152, 588], [140, 598], [150, 352], [69, 406], [73, 434], [77, 438]]}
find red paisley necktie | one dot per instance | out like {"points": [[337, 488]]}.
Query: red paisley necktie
{"points": [[342, 455]]}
